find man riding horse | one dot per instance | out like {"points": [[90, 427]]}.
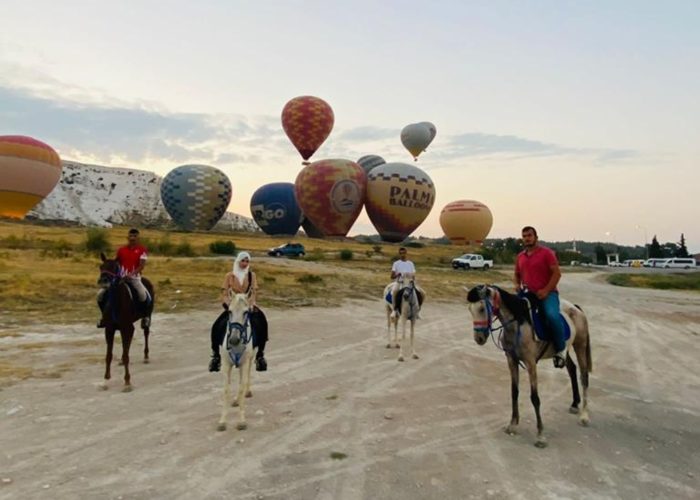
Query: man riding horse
{"points": [[132, 260], [400, 268], [537, 271]]}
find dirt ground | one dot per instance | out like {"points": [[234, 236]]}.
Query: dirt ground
{"points": [[427, 428]]}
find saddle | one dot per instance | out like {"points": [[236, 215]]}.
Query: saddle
{"points": [[540, 325]]}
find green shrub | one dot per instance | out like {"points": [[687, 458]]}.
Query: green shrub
{"points": [[222, 247], [310, 278], [269, 279], [97, 240], [377, 249], [60, 249], [414, 244], [346, 254], [184, 249]]}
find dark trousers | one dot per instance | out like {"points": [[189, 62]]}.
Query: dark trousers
{"points": [[258, 327]]}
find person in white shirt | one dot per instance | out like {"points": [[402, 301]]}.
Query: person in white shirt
{"points": [[401, 267]]}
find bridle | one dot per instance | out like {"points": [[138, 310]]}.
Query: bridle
{"points": [[493, 311]]}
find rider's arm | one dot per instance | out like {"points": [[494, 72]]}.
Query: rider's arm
{"points": [[554, 279], [394, 274], [225, 287], [516, 277], [253, 290]]}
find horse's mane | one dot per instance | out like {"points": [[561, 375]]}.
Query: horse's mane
{"points": [[517, 306]]}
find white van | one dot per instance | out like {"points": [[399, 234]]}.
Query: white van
{"points": [[678, 263], [654, 262]]}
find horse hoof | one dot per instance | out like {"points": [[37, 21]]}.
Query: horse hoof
{"points": [[511, 431], [397, 346], [573, 410], [388, 346], [584, 421], [102, 386], [541, 443], [415, 356], [221, 426], [241, 426], [400, 358], [127, 388], [249, 394], [235, 403], [146, 361], [120, 363]]}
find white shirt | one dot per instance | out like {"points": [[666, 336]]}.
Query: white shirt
{"points": [[403, 267]]}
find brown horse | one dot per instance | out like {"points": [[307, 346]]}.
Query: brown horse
{"points": [[120, 313], [487, 303]]}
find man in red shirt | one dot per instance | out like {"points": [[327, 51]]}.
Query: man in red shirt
{"points": [[132, 259], [537, 269]]}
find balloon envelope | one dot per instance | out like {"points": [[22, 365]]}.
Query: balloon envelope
{"points": [[307, 121], [29, 170], [368, 162], [431, 128], [196, 196], [399, 198], [311, 230], [275, 209], [466, 222], [331, 193], [416, 137]]}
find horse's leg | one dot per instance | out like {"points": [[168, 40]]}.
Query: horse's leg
{"points": [[146, 332], [248, 392], [226, 396], [127, 336], [582, 357], [396, 333], [514, 393], [243, 369], [535, 398], [571, 368], [413, 349], [403, 334], [388, 327], [109, 339]]}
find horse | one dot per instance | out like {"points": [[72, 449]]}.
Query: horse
{"points": [[238, 351], [518, 341], [390, 319], [120, 313], [409, 301]]}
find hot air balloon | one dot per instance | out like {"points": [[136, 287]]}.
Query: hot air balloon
{"points": [[309, 228], [275, 209], [399, 198], [29, 170], [368, 162], [416, 137], [466, 222], [330, 193], [431, 128], [196, 196], [307, 121]]}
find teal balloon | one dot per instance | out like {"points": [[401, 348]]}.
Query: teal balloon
{"points": [[196, 196]]}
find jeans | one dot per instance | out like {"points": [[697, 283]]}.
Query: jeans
{"points": [[556, 323]]}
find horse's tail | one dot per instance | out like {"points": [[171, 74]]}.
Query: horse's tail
{"points": [[589, 360]]}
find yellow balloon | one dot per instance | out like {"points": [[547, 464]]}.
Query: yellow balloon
{"points": [[29, 170], [466, 222]]}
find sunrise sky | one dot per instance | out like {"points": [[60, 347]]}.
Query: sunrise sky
{"points": [[580, 118]]}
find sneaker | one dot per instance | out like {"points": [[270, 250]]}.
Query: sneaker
{"points": [[215, 364], [260, 364], [146, 322], [560, 359]]}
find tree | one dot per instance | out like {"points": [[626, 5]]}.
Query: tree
{"points": [[655, 249], [682, 249], [601, 256]]}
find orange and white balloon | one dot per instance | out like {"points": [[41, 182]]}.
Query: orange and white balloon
{"points": [[29, 170], [466, 222]]}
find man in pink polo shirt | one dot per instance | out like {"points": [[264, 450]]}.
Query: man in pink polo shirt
{"points": [[537, 269]]}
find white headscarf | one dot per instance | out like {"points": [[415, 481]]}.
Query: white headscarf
{"points": [[239, 273]]}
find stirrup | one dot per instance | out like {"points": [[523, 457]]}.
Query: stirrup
{"points": [[215, 363]]}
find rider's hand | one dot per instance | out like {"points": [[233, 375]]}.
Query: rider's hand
{"points": [[542, 294], [225, 306]]}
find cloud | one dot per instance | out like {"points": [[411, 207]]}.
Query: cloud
{"points": [[366, 134]]}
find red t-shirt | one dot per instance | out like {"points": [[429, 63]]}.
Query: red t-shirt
{"points": [[130, 258], [535, 270]]}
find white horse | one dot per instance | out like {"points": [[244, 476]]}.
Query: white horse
{"points": [[237, 350], [390, 319], [407, 294]]}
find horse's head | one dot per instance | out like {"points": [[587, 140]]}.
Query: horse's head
{"points": [[483, 303], [239, 308], [408, 285], [238, 336], [109, 271]]}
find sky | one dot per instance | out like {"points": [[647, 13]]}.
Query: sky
{"points": [[579, 118]]}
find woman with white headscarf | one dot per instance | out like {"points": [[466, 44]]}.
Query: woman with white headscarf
{"points": [[241, 279]]}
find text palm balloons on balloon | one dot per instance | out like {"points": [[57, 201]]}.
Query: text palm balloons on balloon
{"points": [[196, 196], [466, 222], [417, 136], [399, 198], [275, 209], [307, 121], [331, 193], [29, 170]]}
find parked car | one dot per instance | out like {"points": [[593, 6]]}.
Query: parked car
{"points": [[633, 263], [615, 263], [471, 261], [678, 263], [653, 262], [287, 250]]}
